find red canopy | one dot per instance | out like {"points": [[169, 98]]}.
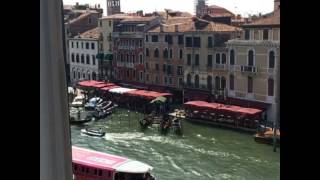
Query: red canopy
{"points": [[147, 94], [101, 85], [107, 88], [89, 83], [250, 111]]}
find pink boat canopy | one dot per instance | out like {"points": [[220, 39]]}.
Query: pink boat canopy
{"points": [[89, 83], [107, 161]]}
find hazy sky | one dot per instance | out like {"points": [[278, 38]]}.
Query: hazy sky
{"points": [[243, 7]]}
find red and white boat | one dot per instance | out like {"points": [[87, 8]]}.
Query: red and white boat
{"points": [[93, 165]]}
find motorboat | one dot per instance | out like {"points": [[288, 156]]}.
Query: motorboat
{"points": [[79, 116], [104, 105], [93, 132], [93, 102], [78, 101]]}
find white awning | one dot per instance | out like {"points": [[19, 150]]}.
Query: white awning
{"points": [[121, 90], [134, 167]]}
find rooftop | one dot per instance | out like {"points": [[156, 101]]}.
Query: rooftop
{"points": [[274, 19], [91, 34]]}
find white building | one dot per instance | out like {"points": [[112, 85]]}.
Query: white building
{"points": [[83, 49]]}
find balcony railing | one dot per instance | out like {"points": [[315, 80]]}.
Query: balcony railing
{"points": [[249, 69]]}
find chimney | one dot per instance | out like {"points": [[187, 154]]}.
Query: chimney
{"points": [[176, 28], [98, 5], [161, 28]]}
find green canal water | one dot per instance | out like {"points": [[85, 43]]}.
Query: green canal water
{"points": [[202, 152]]}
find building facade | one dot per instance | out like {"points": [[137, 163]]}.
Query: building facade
{"points": [[128, 48], [84, 49], [254, 71], [205, 65]]}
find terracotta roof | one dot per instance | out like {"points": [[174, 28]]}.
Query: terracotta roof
{"points": [[183, 23], [118, 16], [139, 19], [220, 11], [92, 33], [217, 27], [82, 16], [264, 21]]}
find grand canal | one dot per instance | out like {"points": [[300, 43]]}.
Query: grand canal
{"points": [[201, 153]]}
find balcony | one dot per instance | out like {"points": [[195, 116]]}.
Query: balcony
{"points": [[220, 66], [249, 69]]}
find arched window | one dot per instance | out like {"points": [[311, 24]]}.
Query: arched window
{"points": [[250, 58], [156, 53], [94, 75], [189, 79], [77, 58], [224, 58], [223, 82], [270, 87], [231, 82], [84, 75], [217, 81], [209, 82], [89, 76], [72, 57], [165, 53], [217, 58], [78, 75], [82, 58], [74, 74], [271, 59], [87, 45], [147, 52], [93, 60], [180, 54], [232, 57], [88, 59], [92, 45], [196, 81]]}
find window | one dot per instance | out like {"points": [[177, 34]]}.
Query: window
{"points": [[134, 73], [77, 58], [189, 80], [89, 20], [179, 71], [196, 81], [231, 83], [188, 41], [93, 60], [265, 34], [84, 75], [217, 58], [170, 80], [78, 75], [189, 59], [82, 45], [223, 82], [180, 81], [170, 54], [147, 38], [77, 45], [180, 54], [157, 67], [87, 45], [147, 66], [217, 80], [165, 53], [157, 79], [270, 87], [88, 59], [164, 67], [82, 58], [140, 58], [209, 60], [133, 58], [250, 84], [72, 57], [141, 76], [210, 44], [168, 39], [92, 45], [169, 69], [156, 53], [74, 74], [250, 58], [109, 23], [127, 73], [224, 58], [232, 57], [154, 38], [209, 83], [180, 39], [72, 44], [196, 42], [247, 34], [140, 43], [197, 60], [147, 52], [271, 59]]}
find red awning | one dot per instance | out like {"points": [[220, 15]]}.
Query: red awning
{"points": [[109, 87], [250, 111], [101, 85], [89, 83], [147, 94]]}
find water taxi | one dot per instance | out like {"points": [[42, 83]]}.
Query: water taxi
{"points": [[92, 165]]}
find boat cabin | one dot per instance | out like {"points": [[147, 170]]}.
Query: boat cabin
{"points": [[93, 165]]}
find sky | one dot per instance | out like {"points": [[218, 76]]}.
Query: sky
{"points": [[243, 7]]}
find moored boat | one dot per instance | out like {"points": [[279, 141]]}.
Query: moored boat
{"points": [[93, 132]]}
